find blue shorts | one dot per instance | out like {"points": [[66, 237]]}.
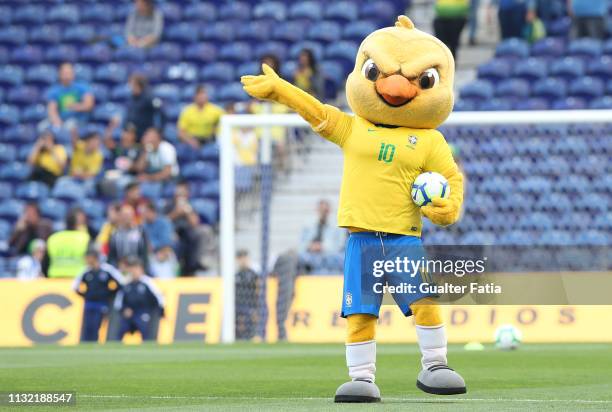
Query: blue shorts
{"points": [[365, 273]]}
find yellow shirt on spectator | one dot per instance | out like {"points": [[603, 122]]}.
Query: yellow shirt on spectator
{"points": [[48, 161], [200, 123], [90, 163]]}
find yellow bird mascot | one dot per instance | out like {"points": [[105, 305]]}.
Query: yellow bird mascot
{"points": [[400, 90]]}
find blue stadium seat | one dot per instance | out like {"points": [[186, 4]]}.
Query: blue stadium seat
{"points": [[603, 222], [14, 172], [210, 153], [4, 55], [31, 191], [97, 13], [495, 70], [274, 10], [111, 74], [129, 54], [236, 52], [79, 34], [61, 53], [289, 31], [181, 72], [464, 105], [151, 190], [7, 153], [6, 190], [165, 52], [98, 53], [496, 104], [548, 47], [515, 48], [358, 30], [477, 90], [600, 67], [568, 68], [560, 27], [200, 171], [69, 189], [13, 35], [585, 47], [6, 15], [100, 92], [549, 88], [275, 48], [315, 47], [531, 69], [556, 238], [382, 11], [222, 72], [586, 87], [311, 10], [45, 35], [232, 92], [63, 13], [11, 209], [172, 12], [34, 113], [200, 12], [201, 53], [167, 92], [532, 103], [207, 209], [235, 10], [478, 238], [9, 115], [209, 190], [181, 33], [248, 68], [10, 75], [601, 103], [218, 32], [593, 238], [106, 111], [41, 75], [325, 31], [333, 72], [254, 32], [83, 72], [26, 55], [18, 133], [32, 14], [569, 103], [342, 11], [5, 233]]}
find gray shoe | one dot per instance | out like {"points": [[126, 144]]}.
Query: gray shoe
{"points": [[357, 391], [440, 380]]}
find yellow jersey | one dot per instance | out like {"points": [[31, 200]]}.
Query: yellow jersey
{"points": [[200, 123], [380, 164], [83, 162], [48, 161]]}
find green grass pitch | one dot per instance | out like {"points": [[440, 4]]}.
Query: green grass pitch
{"points": [[304, 377]]}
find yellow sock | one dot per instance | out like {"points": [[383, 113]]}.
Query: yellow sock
{"points": [[361, 328], [426, 312]]}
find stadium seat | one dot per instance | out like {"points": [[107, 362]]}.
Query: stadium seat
{"points": [[325, 31], [69, 189], [358, 30], [18, 133], [200, 12], [275, 48], [247, 68], [341, 11], [98, 53], [31, 191], [513, 48], [209, 190], [63, 13], [495, 70], [83, 72], [165, 52], [381, 11], [106, 111], [45, 35], [222, 72], [34, 113], [532, 103], [586, 87], [200, 53], [100, 92], [585, 47], [53, 209], [289, 31], [26, 55], [254, 32], [548, 47], [79, 34], [568, 68], [181, 33], [219, 32], [111, 74], [9, 115], [32, 14], [600, 67], [316, 48], [60, 53], [6, 15], [11, 75], [602, 103], [181, 73], [172, 12], [235, 10], [200, 171], [6, 190], [477, 90], [478, 238], [8, 153], [569, 103], [496, 104], [13, 35], [274, 10], [11, 209], [41, 75], [531, 69], [129, 54], [151, 190], [549, 88], [207, 210], [97, 13], [310, 10], [560, 27], [236, 52]]}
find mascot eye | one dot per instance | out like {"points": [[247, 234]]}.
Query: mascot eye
{"points": [[369, 70], [429, 78]]}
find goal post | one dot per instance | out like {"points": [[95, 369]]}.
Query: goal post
{"points": [[266, 121]]}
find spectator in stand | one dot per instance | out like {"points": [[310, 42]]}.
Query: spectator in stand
{"points": [[125, 152], [144, 24], [512, 15], [128, 239], [321, 240], [47, 159], [160, 232], [245, 139], [589, 17], [308, 75], [157, 162], [142, 108], [197, 124], [133, 197], [248, 291], [107, 229], [30, 266], [451, 17], [83, 222], [87, 158], [98, 285], [29, 227], [69, 102], [139, 303], [195, 243], [66, 249]]}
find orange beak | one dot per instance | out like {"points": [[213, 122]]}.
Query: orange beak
{"points": [[396, 90]]}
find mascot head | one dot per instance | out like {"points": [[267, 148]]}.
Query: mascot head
{"points": [[402, 77]]}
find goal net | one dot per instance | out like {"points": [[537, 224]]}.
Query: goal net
{"points": [[553, 165]]}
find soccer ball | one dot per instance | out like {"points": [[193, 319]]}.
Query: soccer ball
{"points": [[507, 337], [428, 186]]}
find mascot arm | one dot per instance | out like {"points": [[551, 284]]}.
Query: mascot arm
{"points": [[445, 212], [326, 120]]}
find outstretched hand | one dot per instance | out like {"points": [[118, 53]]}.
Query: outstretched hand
{"points": [[264, 86], [441, 212]]}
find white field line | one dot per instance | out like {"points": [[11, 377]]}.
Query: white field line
{"points": [[394, 399]]}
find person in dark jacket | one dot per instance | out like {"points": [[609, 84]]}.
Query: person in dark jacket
{"points": [[129, 239], [143, 110], [30, 226], [139, 302], [98, 285]]}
